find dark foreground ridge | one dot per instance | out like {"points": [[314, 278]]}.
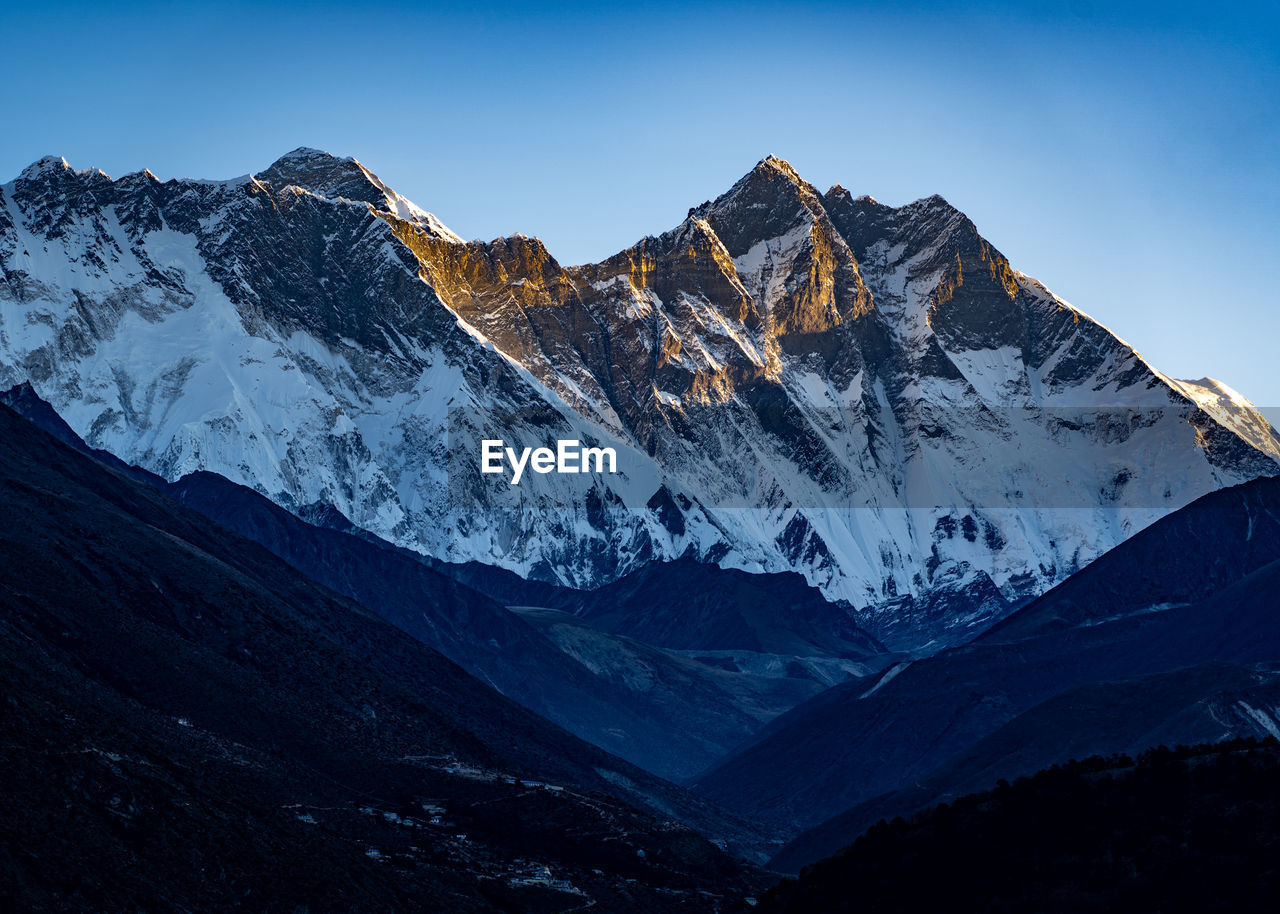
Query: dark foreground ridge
{"points": [[1169, 638], [1178, 830], [192, 725]]}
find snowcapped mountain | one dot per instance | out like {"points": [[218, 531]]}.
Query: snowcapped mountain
{"points": [[793, 381]]}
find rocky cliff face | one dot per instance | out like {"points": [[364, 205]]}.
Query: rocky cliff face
{"points": [[871, 396]]}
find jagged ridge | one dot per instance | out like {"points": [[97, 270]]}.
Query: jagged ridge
{"points": [[869, 395]]}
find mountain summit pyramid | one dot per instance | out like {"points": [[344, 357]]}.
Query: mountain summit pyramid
{"points": [[793, 380]]}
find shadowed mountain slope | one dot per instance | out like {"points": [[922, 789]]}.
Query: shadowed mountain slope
{"points": [[637, 710], [1199, 663], [177, 695]]}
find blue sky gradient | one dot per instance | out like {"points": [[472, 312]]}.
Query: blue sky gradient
{"points": [[1128, 155]]}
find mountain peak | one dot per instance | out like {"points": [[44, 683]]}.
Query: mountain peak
{"points": [[772, 163], [1233, 410], [935, 203], [773, 172], [332, 176], [321, 172], [55, 170], [309, 155], [766, 202], [44, 166]]}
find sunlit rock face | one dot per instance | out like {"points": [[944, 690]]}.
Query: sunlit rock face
{"points": [[868, 395]]}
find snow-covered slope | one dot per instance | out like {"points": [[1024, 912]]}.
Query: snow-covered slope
{"points": [[1231, 409], [798, 381]]}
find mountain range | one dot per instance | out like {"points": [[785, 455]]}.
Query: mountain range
{"points": [[794, 381], [891, 523]]}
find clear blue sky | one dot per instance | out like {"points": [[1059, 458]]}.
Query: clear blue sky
{"points": [[1126, 154]]}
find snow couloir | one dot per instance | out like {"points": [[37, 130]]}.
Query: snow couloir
{"points": [[569, 456]]}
